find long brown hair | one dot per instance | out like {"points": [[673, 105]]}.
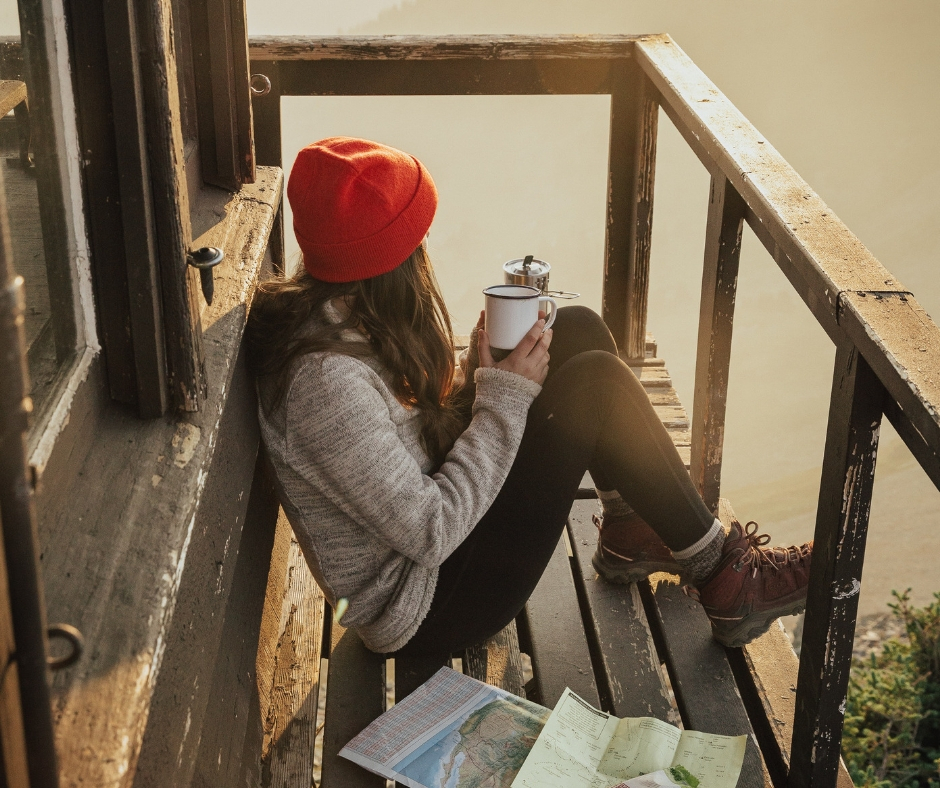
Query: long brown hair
{"points": [[402, 314]]}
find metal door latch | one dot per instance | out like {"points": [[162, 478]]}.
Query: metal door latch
{"points": [[205, 260]]}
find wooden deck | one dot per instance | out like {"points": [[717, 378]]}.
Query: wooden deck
{"points": [[638, 650]]}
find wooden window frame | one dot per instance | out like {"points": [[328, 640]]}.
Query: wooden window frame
{"points": [[147, 66]]}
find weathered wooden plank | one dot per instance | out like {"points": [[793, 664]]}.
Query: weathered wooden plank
{"points": [[134, 233], [220, 70], [826, 264], [269, 633], [822, 256], [147, 550], [672, 416], [497, 661], [902, 346], [182, 297], [631, 679], [716, 317], [626, 129], [229, 742], [560, 653], [472, 47], [412, 672], [926, 455], [838, 556], [766, 671], [102, 171], [266, 120], [355, 695], [641, 221], [704, 685], [652, 376], [12, 92], [290, 719]]}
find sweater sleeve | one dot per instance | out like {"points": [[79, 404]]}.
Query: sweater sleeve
{"points": [[342, 439]]}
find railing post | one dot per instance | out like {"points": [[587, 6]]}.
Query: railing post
{"points": [[848, 476], [266, 111], [716, 318], [634, 118]]}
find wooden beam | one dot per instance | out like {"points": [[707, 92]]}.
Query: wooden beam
{"points": [[266, 132], [497, 661], [560, 653], [902, 345], [825, 262], [182, 298], [716, 318], [631, 170], [472, 47], [926, 455], [136, 236], [290, 717], [699, 669], [848, 476], [766, 670], [355, 695], [619, 631]]}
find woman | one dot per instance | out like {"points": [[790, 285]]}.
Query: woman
{"points": [[431, 501]]}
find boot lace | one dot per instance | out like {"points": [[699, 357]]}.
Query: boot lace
{"points": [[760, 557]]}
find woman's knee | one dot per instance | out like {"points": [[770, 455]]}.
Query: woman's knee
{"points": [[578, 329], [600, 373]]}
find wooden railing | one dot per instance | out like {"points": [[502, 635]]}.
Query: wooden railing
{"points": [[887, 348]]}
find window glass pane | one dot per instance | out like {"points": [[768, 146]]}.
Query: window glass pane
{"points": [[35, 210]]}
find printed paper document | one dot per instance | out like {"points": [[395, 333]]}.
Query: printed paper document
{"points": [[582, 747], [452, 732]]}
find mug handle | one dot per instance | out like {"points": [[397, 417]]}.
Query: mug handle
{"points": [[551, 318]]}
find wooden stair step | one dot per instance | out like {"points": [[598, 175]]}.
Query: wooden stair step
{"points": [[627, 656], [559, 646]]}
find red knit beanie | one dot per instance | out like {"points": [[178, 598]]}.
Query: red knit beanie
{"points": [[360, 208]]}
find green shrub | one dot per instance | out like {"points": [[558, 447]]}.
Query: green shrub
{"points": [[891, 737]]}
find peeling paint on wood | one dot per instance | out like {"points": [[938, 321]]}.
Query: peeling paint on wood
{"points": [[475, 47]]}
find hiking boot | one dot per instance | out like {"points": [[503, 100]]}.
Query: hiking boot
{"points": [[753, 585], [628, 550]]}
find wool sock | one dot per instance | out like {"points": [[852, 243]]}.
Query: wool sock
{"points": [[700, 559], [613, 505]]}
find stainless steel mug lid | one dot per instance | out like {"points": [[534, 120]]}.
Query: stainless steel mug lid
{"points": [[527, 266]]}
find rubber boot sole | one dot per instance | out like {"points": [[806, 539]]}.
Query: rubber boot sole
{"points": [[734, 633], [623, 573]]}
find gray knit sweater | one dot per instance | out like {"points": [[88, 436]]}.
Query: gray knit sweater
{"points": [[354, 481]]}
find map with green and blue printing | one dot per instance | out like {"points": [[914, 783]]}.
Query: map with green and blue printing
{"points": [[452, 732]]}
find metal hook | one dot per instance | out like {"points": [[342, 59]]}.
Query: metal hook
{"points": [[205, 260], [265, 85], [73, 636]]}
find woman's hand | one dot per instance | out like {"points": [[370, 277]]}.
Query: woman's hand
{"points": [[529, 359]]}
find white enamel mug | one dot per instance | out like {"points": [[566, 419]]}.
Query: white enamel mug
{"points": [[511, 311]]}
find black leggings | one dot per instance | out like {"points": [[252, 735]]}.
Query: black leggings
{"points": [[594, 415]]}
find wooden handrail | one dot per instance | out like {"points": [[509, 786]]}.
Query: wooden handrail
{"points": [[476, 47], [845, 287]]}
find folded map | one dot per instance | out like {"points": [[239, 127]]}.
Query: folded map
{"points": [[583, 747], [451, 732]]}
